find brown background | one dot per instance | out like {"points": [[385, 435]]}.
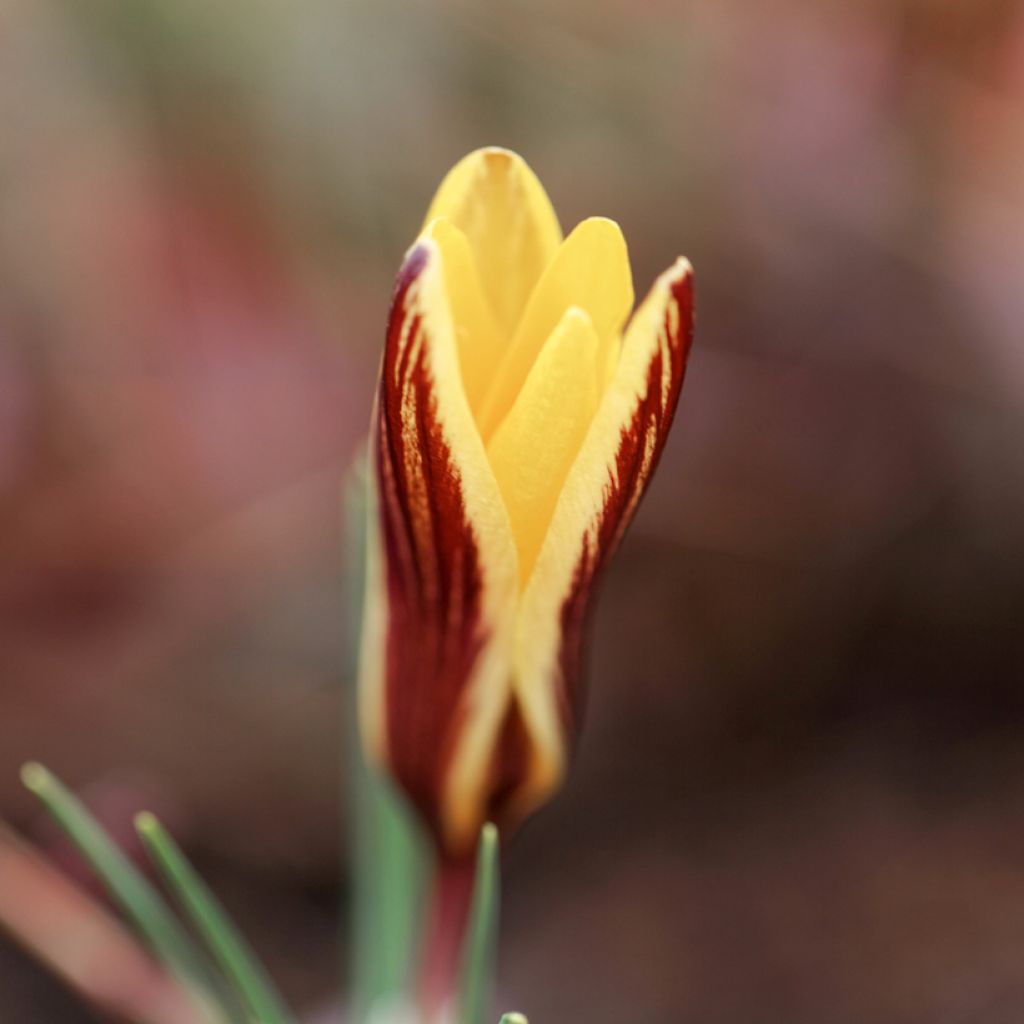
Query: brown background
{"points": [[799, 795]]}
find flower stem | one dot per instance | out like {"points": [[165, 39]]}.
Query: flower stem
{"points": [[445, 927]]}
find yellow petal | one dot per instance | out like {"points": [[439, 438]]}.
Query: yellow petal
{"points": [[608, 358], [590, 270], [600, 494], [494, 198], [478, 339], [532, 450]]}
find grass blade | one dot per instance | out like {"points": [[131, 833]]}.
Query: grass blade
{"points": [[138, 900], [387, 854], [84, 945], [229, 950], [480, 948]]}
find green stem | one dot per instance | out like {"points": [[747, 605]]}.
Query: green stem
{"points": [[444, 935], [481, 942]]}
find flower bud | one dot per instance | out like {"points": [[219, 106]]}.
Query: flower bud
{"points": [[517, 423]]}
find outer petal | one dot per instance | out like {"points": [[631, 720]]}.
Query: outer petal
{"points": [[600, 496], [435, 693]]}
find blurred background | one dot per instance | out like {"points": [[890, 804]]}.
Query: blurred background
{"points": [[799, 793]]}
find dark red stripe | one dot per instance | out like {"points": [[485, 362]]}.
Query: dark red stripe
{"points": [[432, 568], [510, 763], [654, 412]]}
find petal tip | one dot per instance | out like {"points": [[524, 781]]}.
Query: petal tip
{"points": [[434, 226], [499, 155], [679, 274], [601, 230], [681, 286], [676, 287], [606, 224], [493, 160], [416, 257], [682, 267], [577, 314]]}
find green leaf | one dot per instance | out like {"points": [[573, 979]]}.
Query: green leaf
{"points": [[479, 950], [229, 949], [388, 881], [388, 857], [513, 1018], [138, 900]]}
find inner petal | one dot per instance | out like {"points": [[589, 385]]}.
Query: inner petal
{"points": [[533, 449], [591, 271], [496, 200], [478, 339]]}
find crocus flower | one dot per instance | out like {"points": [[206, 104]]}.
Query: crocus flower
{"points": [[518, 422]]}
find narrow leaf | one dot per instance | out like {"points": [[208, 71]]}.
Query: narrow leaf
{"points": [[480, 947], [136, 897], [229, 949], [81, 942], [388, 858]]}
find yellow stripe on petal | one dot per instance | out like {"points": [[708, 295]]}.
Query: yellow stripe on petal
{"points": [[532, 450], [494, 198], [478, 339], [599, 497], [608, 358], [590, 270]]}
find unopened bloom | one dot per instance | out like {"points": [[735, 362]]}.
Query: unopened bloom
{"points": [[517, 423]]}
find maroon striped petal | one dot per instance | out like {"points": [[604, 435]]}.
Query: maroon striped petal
{"points": [[442, 588], [600, 496]]}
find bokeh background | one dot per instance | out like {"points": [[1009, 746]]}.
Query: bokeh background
{"points": [[800, 793]]}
